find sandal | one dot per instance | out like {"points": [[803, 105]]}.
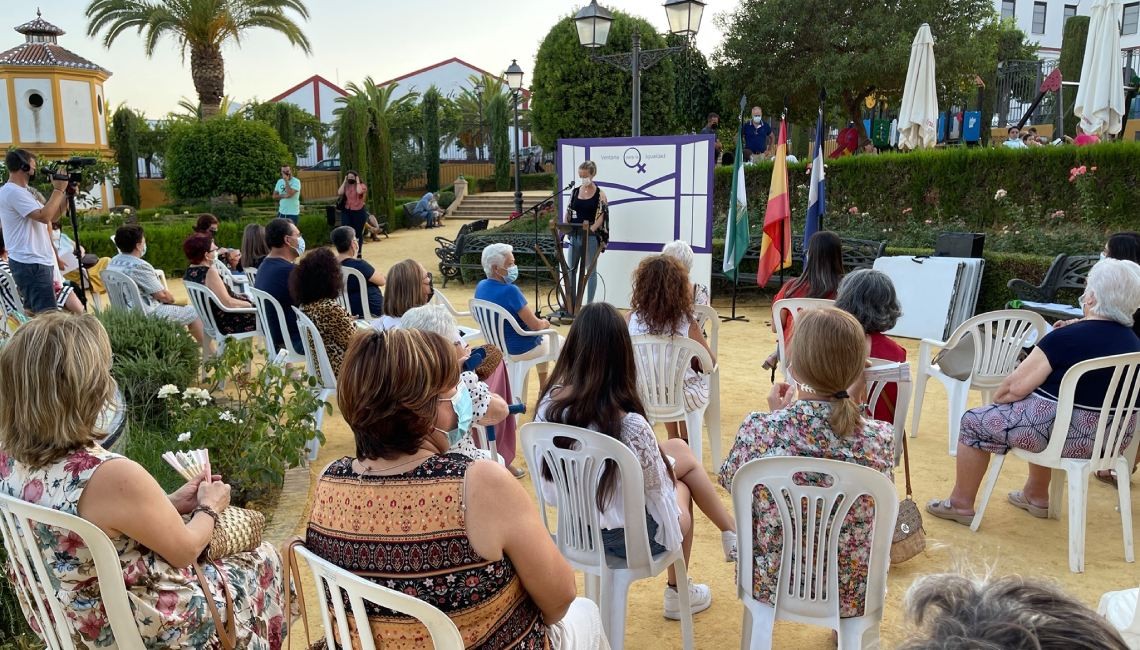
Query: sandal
{"points": [[1017, 498], [942, 509]]}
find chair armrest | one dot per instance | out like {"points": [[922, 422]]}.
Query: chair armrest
{"points": [[235, 310], [924, 352], [1025, 291]]}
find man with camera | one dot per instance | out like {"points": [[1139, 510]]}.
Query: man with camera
{"points": [[27, 230]]}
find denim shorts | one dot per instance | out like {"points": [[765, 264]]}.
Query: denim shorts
{"points": [[613, 539], [36, 283]]}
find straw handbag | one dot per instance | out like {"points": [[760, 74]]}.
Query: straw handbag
{"points": [[909, 538], [236, 530]]}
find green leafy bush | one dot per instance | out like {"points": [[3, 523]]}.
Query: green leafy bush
{"points": [[14, 630], [223, 156], [543, 182], [446, 198]]}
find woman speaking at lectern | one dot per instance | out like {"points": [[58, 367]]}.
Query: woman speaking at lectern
{"points": [[588, 205]]}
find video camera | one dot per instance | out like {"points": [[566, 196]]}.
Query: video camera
{"points": [[71, 168]]}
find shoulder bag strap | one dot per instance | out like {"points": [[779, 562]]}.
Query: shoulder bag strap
{"points": [[905, 454], [293, 570], [227, 633]]}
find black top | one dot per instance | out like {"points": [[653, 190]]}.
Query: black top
{"points": [[375, 298], [584, 210], [1086, 339]]}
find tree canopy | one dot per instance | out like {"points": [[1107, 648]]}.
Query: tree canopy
{"points": [[296, 127], [214, 157]]}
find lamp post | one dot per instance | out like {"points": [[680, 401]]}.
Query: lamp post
{"points": [[479, 98], [514, 76], [593, 24]]}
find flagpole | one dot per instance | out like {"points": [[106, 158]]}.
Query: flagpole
{"points": [[780, 246], [736, 275]]}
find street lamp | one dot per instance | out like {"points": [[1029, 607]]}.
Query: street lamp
{"points": [[514, 76], [479, 98], [593, 25]]}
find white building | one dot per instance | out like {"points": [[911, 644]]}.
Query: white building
{"points": [[317, 96], [1044, 21]]}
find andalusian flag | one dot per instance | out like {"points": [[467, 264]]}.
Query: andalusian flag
{"points": [[776, 246], [736, 240]]}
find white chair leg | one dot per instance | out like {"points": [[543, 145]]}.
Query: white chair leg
{"points": [[686, 606], [763, 625], [1124, 494], [712, 419], [959, 394], [861, 632], [916, 406], [1078, 482], [694, 423], [593, 586], [746, 630], [1057, 487], [617, 608], [987, 490], [605, 604]]}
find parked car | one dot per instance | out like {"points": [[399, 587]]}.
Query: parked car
{"points": [[326, 165]]}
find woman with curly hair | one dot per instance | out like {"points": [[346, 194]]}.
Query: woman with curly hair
{"points": [[662, 305], [315, 285]]}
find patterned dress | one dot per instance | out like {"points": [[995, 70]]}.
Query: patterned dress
{"points": [[167, 601], [803, 429], [408, 532], [228, 323]]}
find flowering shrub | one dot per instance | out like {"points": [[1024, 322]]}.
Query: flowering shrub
{"points": [[255, 429]]}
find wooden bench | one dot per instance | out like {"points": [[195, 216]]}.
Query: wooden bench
{"points": [[1066, 272], [469, 251], [448, 249], [857, 254]]}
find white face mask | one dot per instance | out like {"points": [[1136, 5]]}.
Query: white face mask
{"points": [[756, 119], [585, 180]]}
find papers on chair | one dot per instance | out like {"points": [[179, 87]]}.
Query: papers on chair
{"points": [[1053, 308]]}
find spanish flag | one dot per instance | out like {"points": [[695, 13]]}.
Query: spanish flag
{"points": [[776, 246]]}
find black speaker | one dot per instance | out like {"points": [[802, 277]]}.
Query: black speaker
{"points": [[330, 215], [960, 244]]}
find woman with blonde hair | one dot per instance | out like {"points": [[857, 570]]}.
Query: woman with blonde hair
{"points": [[823, 420], [408, 285], [55, 377], [588, 206]]}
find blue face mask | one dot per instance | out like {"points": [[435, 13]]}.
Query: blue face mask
{"points": [[464, 415], [300, 245], [512, 274]]}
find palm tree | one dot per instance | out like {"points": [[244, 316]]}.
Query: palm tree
{"points": [[378, 97], [200, 26]]}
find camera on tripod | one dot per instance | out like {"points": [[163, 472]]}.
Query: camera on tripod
{"points": [[70, 170]]}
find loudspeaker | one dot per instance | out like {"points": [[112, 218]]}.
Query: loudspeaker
{"points": [[960, 244]]}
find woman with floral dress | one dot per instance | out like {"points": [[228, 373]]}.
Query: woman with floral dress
{"points": [[829, 352], [54, 379]]}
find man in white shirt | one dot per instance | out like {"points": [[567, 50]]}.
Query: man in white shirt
{"points": [[27, 231]]}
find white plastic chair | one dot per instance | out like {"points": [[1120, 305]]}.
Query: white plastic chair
{"points": [[468, 334], [1122, 610], [709, 322], [250, 277], [319, 367], [999, 339], [493, 320], [21, 525], [202, 299], [881, 374], [10, 293], [344, 300], [794, 307], [1121, 405], [576, 475], [266, 304], [808, 587], [662, 362], [331, 579], [122, 292]]}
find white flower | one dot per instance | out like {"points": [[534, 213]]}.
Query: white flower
{"points": [[184, 436], [200, 394], [226, 416], [167, 391], [999, 195]]}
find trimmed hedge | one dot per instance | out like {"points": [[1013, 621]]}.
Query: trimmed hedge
{"points": [[528, 181]]}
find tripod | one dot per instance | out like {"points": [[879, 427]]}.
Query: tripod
{"points": [[84, 280]]}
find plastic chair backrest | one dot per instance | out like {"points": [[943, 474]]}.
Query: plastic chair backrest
{"points": [[250, 276], [811, 519], [266, 304], [122, 292], [999, 339], [10, 293], [493, 320], [792, 306], [22, 525], [316, 357], [331, 579], [577, 474], [709, 322], [439, 298], [662, 362], [343, 298], [1117, 413], [202, 299]]}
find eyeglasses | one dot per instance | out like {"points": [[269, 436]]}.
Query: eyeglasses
{"points": [[213, 231], [427, 277]]}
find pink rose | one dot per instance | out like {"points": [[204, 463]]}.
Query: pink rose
{"points": [[853, 210], [91, 626], [33, 491], [5, 466], [167, 601]]}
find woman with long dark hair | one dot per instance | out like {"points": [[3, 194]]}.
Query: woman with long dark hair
{"points": [[823, 269], [603, 397]]}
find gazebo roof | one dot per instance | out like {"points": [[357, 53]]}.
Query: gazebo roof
{"points": [[41, 48]]}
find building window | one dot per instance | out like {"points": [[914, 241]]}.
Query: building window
{"points": [[1008, 9], [1070, 11], [1131, 17], [1039, 17]]}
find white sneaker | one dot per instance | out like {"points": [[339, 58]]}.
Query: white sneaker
{"points": [[728, 545], [700, 599]]}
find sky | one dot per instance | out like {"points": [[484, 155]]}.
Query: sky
{"points": [[350, 40]]}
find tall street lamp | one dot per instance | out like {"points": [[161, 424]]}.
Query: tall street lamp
{"points": [[479, 98], [593, 24], [514, 76]]}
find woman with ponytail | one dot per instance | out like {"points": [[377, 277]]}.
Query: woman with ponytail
{"points": [[821, 419]]}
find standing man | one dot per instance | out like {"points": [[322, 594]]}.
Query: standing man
{"points": [[287, 193], [757, 133], [710, 129], [27, 231]]}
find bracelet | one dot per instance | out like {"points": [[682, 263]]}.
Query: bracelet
{"points": [[206, 509]]}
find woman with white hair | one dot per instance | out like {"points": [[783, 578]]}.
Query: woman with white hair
{"points": [[681, 250], [499, 288], [1025, 404]]}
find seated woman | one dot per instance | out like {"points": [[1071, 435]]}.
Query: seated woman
{"points": [[821, 420], [408, 285], [603, 397], [681, 250], [347, 250], [470, 401], [55, 377], [499, 288], [1120, 246], [1025, 404], [202, 252], [823, 269], [403, 498], [253, 246], [662, 305], [315, 286], [870, 297]]}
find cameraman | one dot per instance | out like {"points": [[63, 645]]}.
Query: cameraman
{"points": [[27, 231]]}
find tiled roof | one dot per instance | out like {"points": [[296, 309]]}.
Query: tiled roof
{"points": [[40, 26], [46, 54]]}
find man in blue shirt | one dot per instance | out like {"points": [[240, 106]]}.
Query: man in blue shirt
{"points": [[425, 209], [757, 133], [285, 245]]}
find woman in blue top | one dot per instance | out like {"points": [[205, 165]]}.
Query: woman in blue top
{"points": [[499, 288], [1025, 405]]}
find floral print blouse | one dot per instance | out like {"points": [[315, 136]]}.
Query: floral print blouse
{"points": [[803, 429]]}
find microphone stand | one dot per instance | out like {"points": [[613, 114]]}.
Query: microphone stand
{"points": [[534, 208]]}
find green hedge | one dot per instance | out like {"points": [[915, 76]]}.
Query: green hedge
{"points": [[528, 182]]}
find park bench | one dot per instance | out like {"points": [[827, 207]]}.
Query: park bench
{"points": [[1066, 272], [469, 250], [857, 254], [448, 249]]}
